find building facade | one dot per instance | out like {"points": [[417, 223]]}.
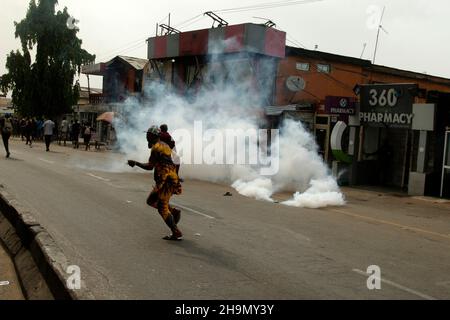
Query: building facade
{"points": [[323, 91], [327, 80], [373, 124], [123, 77]]}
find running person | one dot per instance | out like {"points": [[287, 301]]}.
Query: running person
{"points": [[6, 128], [166, 179]]}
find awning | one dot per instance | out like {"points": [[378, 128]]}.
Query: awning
{"points": [[279, 110], [107, 116]]}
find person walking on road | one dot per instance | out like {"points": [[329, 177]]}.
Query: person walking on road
{"points": [[87, 135], [166, 179], [64, 130], [29, 129], [48, 127], [6, 128], [23, 128], [75, 134]]}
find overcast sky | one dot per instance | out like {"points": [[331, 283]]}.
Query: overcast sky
{"points": [[417, 39]]}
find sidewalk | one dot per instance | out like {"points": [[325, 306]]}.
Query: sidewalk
{"points": [[391, 192], [9, 284]]}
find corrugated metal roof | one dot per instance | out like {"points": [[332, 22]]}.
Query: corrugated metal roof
{"points": [[136, 63], [96, 69], [84, 92], [278, 110]]}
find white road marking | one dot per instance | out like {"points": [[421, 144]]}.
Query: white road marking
{"points": [[398, 286], [194, 211], [97, 177], [398, 225], [4, 283], [48, 161]]}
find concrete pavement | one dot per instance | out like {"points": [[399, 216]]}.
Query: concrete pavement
{"points": [[234, 247], [9, 283]]}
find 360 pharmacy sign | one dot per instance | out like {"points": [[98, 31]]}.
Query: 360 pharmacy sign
{"points": [[388, 104]]}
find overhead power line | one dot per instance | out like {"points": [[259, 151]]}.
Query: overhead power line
{"points": [[268, 5], [200, 16], [188, 20], [134, 48], [120, 48], [294, 41]]}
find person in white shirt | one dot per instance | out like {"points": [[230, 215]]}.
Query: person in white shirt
{"points": [[64, 130], [48, 126]]}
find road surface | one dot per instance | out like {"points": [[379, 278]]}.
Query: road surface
{"points": [[234, 247]]}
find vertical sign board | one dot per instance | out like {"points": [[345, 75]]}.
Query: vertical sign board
{"points": [[388, 105]]}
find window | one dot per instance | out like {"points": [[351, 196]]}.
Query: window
{"points": [[324, 68], [302, 66]]}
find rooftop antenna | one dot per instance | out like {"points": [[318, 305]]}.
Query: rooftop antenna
{"points": [[216, 19], [269, 23], [168, 29], [380, 27], [364, 49]]}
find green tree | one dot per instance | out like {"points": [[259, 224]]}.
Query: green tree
{"points": [[45, 86]]}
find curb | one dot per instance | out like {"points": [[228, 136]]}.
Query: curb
{"points": [[40, 263]]}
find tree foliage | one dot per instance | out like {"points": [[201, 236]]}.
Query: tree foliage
{"points": [[44, 86]]}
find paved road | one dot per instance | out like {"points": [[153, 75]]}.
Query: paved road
{"points": [[234, 247]]}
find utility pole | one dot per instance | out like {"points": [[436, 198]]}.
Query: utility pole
{"points": [[380, 27], [364, 49]]}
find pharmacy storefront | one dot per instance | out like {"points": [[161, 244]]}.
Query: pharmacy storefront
{"points": [[393, 137]]}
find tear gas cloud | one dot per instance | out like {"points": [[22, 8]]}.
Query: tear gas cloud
{"points": [[227, 100]]}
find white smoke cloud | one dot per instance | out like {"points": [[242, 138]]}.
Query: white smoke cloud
{"points": [[259, 188], [321, 193], [227, 99]]}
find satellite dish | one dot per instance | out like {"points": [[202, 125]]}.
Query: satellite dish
{"points": [[295, 83]]}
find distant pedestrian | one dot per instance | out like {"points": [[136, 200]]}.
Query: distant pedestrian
{"points": [[16, 127], [48, 127], [38, 129], [29, 129], [75, 134], [87, 136], [64, 130], [23, 128], [6, 128]]}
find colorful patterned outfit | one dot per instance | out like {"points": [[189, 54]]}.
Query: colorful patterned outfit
{"points": [[167, 183]]}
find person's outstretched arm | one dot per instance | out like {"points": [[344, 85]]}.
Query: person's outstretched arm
{"points": [[145, 166]]}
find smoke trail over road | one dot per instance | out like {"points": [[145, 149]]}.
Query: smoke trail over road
{"points": [[227, 101]]}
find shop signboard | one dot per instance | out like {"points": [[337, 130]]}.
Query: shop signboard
{"points": [[340, 105], [388, 105]]}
